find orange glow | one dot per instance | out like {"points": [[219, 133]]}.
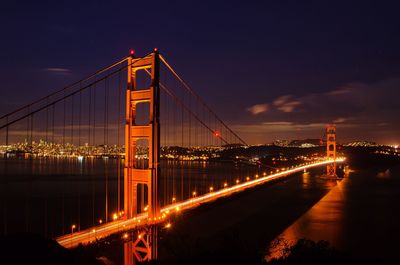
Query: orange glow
{"points": [[237, 181], [225, 185], [100, 221], [168, 225], [106, 229], [211, 189]]}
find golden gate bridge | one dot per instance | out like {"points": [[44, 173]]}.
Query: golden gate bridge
{"points": [[141, 114]]}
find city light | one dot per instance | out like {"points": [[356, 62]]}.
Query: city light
{"points": [[211, 189], [168, 225]]}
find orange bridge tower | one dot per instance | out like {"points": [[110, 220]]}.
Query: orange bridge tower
{"points": [[331, 149], [142, 170]]}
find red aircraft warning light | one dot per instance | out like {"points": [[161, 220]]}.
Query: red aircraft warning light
{"points": [[217, 134]]}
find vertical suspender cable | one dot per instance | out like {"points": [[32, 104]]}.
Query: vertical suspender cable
{"points": [[118, 145]]}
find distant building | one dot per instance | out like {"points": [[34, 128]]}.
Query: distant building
{"points": [[306, 143], [361, 144], [281, 143]]}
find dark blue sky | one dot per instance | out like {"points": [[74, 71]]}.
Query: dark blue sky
{"points": [[271, 69]]}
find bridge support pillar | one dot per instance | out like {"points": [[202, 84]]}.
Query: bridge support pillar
{"points": [[142, 166], [331, 149]]}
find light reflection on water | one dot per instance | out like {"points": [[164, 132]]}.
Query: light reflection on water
{"points": [[358, 216], [322, 222]]}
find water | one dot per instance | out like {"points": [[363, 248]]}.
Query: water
{"points": [[47, 196], [360, 216]]}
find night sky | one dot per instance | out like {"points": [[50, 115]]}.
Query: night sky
{"points": [[270, 69]]}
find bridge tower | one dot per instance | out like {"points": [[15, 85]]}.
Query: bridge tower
{"points": [[139, 175], [331, 149]]}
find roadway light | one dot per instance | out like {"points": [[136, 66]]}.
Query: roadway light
{"points": [[248, 178], [211, 189], [115, 216], [125, 236], [100, 221], [237, 181], [194, 193], [72, 232], [168, 225], [225, 185]]}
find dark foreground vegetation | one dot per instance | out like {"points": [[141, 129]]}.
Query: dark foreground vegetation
{"points": [[32, 249], [27, 249]]}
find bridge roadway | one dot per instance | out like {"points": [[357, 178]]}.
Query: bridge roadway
{"points": [[91, 234]]}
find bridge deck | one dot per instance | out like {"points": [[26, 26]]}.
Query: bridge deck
{"points": [[91, 234]]}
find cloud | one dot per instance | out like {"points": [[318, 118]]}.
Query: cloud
{"points": [[340, 120], [58, 70], [286, 103], [366, 111], [258, 109], [340, 91]]}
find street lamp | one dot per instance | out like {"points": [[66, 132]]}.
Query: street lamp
{"points": [[72, 232], [115, 216]]}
